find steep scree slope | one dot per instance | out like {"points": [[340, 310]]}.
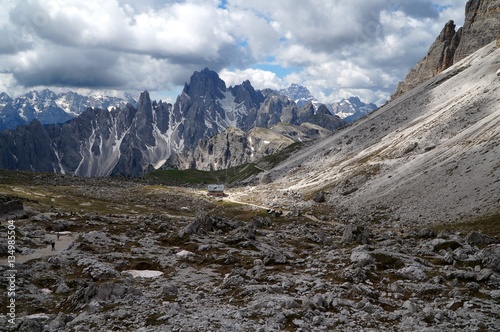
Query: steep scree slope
{"points": [[430, 155]]}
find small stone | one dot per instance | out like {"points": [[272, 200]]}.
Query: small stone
{"points": [[369, 308], [170, 290], [484, 274], [410, 306], [317, 320], [62, 288]]}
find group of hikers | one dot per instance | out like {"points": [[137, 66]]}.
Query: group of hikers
{"points": [[53, 243]]}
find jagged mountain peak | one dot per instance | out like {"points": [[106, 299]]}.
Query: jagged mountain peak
{"points": [[299, 94], [351, 109], [205, 83], [4, 99], [144, 98]]}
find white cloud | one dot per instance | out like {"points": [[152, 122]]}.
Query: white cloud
{"points": [[334, 47], [260, 79]]}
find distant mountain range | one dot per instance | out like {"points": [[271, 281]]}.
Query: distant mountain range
{"points": [[121, 137], [349, 109], [49, 107], [100, 136]]}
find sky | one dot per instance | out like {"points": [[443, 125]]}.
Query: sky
{"points": [[335, 48]]}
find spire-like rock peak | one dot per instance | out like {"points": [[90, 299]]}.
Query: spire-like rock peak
{"points": [[481, 27], [205, 83]]}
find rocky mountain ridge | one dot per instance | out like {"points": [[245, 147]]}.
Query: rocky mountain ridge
{"points": [[48, 107], [234, 147], [481, 27], [128, 141]]}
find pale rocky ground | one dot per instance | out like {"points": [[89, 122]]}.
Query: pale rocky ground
{"points": [[154, 258]]}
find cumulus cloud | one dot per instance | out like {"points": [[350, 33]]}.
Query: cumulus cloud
{"points": [[260, 79], [333, 47]]}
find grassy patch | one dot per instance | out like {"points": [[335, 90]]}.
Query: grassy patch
{"points": [[271, 161], [488, 225], [448, 245], [385, 261], [197, 177]]}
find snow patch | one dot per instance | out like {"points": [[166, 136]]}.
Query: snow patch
{"points": [[184, 253], [144, 273], [37, 316]]}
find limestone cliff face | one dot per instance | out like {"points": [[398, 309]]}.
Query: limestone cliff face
{"points": [[234, 146], [481, 26]]}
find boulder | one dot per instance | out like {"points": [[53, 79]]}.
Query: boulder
{"points": [[110, 291], [360, 257], [354, 233], [491, 257], [320, 197], [10, 204], [475, 238], [170, 290]]}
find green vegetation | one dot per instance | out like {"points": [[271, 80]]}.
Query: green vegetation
{"points": [[489, 225], [448, 245], [274, 159], [197, 177], [385, 261]]}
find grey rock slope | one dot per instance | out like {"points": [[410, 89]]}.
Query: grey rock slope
{"points": [[481, 26], [430, 155]]}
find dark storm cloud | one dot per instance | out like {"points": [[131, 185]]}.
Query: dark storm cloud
{"points": [[71, 67]]}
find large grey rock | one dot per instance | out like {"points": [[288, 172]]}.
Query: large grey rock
{"points": [[476, 238], [203, 223], [490, 256], [481, 26], [110, 291], [170, 290], [360, 256], [9, 204], [355, 234]]}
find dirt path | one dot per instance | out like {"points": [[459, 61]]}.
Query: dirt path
{"points": [[63, 243], [231, 199]]}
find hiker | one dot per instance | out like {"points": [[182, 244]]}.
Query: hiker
{"points": [[58, 236], [53, 244]]}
